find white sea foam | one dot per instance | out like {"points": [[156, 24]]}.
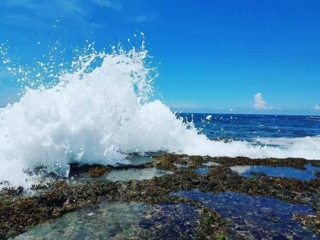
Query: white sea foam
{"points": [[246, 149], [98, 113], [304, 142]]}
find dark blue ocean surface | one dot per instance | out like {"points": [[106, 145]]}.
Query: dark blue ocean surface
{"points": [[250, 127]]}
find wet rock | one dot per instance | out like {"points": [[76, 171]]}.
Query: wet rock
{"points": [[94, 170], [12, 191], [18, 214], [311, 222], [166, 162], [98, 171], [213, 226], [298, 163], [61, 184]]}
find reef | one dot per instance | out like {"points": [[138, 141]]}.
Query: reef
{"points": [[19, 213]]}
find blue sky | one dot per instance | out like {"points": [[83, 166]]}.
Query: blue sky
{"points": [[225, 56]]}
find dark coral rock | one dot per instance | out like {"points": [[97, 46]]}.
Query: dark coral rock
{"points": [[98, 171], [311, 222]]}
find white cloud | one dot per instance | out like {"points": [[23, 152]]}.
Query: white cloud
{"points": [[317, 107], [145, 17], [141, 18], [37, 14], [108, 3], [259, 103], [43, 13], [48, 9]]}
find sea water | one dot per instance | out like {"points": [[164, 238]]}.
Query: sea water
{"points": [[101, 108], [255, 217]]}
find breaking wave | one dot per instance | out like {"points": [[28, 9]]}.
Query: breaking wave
{"points": [[99, 112]]}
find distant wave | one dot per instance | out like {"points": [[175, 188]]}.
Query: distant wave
{"points": [[314, 118]]}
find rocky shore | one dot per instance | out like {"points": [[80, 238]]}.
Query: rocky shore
{"points": [[207, 175]]}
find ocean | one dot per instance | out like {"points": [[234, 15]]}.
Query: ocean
{"points": [[102, 109], [271, 130]]}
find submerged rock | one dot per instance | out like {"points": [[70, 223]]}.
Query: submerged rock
{"points": [[311, 222]]}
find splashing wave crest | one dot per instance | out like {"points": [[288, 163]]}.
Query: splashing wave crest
{"points": [[98, 113]]}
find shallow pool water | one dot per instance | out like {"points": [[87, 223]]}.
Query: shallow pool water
{"points": [[255, 217], [180, 165], [135, 174], [284, 172], [211, 164], [137, 160], [118, 220], [202, 171]]}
